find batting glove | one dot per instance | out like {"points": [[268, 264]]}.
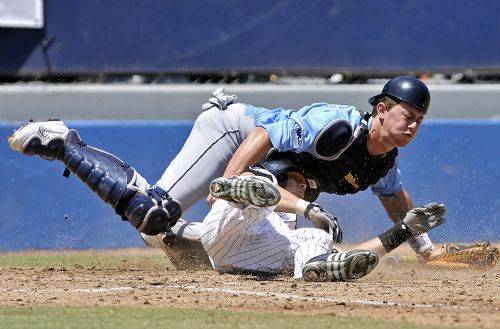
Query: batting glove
{"points": [[422, 219], [324, 220], [220, 100]]}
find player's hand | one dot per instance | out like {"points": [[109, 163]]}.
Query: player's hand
{"points": [[211, 200], [324, 220], [422, 219], [220, 100]]}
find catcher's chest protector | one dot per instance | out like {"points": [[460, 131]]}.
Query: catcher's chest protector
{"points": [[353, 171]]}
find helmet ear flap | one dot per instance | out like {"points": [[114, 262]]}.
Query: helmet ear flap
{"points": [[279, 167], [282, 179]]}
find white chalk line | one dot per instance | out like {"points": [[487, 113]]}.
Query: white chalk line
{"points": [[282, 296]]}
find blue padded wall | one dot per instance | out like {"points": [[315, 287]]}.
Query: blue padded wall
{"points": [[452, 161]]}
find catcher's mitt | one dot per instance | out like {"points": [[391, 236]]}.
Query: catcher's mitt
{"points": [[480, 255]]}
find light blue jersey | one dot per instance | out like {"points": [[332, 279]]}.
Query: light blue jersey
{"points": [[296, 130]]}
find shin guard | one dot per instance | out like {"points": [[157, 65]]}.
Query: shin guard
{"points": [[149, 210]]}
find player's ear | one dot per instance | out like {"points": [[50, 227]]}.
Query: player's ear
{"points": [[381, 109], [302, 187]]}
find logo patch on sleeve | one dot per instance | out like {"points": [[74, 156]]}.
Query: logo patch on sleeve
{"points": [[297, 138]]}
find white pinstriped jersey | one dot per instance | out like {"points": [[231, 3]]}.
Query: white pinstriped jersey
{"points": [[258, 239]]}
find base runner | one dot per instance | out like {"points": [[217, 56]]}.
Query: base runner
{"points": [[242, 232]]}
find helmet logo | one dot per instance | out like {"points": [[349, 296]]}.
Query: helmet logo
{"points": [[312, 183]]}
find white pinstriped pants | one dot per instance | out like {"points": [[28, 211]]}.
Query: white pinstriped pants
{"points": [[257, 239]]}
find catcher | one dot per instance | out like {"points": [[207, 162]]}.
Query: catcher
{"points": [[228, 129]]}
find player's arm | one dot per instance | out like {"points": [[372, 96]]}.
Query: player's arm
{"points": [[397, 202], [416, 222], [397, 205], [252, 150]]}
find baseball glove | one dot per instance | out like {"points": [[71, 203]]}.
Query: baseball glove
{"points": [[480, 255]]}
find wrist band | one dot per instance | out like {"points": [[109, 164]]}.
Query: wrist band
{"points": [[395, 236], [301, 206]]}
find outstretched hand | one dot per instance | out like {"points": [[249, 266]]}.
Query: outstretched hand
{"points": [[422, 219]]}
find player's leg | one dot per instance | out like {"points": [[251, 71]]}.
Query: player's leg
{"points": [[212, 142], [227, 232], [316, 260], [182, 244], [310, 243], [222, 217], [186, 244], [149, 210]]}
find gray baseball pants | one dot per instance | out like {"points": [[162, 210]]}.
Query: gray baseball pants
{"points": [[211, 144]]}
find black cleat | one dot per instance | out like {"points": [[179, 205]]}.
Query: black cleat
{"points": [[340, 266], [249, 190]]}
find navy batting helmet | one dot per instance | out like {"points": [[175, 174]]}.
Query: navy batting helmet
{"points": [[280, 167], [406, 89]]}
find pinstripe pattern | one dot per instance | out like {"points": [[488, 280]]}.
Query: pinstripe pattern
{"points": [[258, 239]]}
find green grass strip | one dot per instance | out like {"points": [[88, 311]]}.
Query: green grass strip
{"points": [[69, 261], [142, 317]]}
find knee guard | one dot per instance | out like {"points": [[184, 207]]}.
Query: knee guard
{"points": [[149, 210], [153, 212]]}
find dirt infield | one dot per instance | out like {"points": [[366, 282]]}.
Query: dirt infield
{"points": [[407, 292]]}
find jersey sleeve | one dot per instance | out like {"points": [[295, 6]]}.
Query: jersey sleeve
{"points": [[390, 184], [285, 135], [297, 130]]}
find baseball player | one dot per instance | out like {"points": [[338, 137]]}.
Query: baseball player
{"points": [[227, 137], [183, 245], [242, 232]]}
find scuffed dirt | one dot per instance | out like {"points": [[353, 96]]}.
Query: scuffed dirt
{"points": [[407, 292]]}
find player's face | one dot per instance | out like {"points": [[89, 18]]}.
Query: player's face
{"points": [[296, 184], [401, 123]]}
